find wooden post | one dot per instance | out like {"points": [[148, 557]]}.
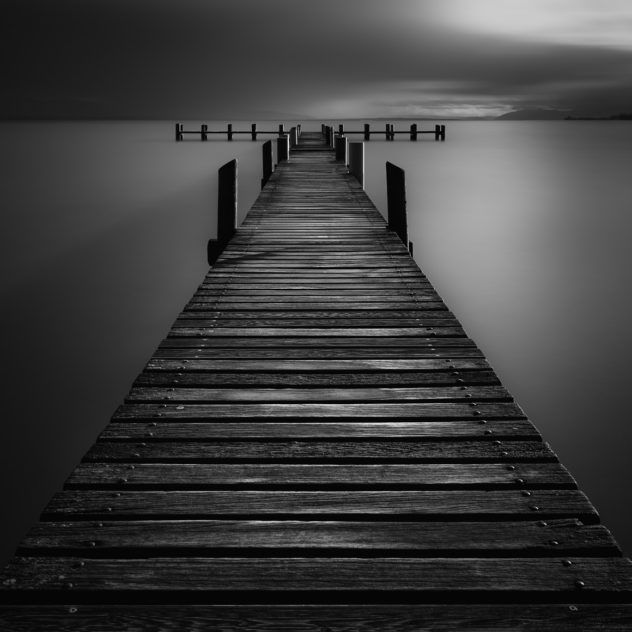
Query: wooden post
{"points": [[298, 129], [281, 129], [293, 137], [230, 131], [442, 132], [388, 132], [267, 162], [356, 161], [413, 131], [367, 131], [332, 137], [253, 131], [283, 148], [226, 210], [341, 129], [396, 201], [178, 131], [341, 148], [203, 131], [439, 132]]}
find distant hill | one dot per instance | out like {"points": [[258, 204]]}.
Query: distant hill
{"points": [[532, 115]]}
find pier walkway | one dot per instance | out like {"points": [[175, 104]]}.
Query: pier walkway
{"points": [[317, 445]]}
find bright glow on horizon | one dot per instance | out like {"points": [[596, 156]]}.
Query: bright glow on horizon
{"points": [[607, 23]]}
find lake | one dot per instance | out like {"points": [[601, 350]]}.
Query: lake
{"points": [[523, 227]]}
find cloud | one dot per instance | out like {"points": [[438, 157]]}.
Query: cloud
{"points": [[345, 58]]}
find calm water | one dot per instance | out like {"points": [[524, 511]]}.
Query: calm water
{"points": [[523, 228]]}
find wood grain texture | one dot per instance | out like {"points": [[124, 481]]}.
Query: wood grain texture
{"points": [[321, 538], [418, 578], [563, 617]]}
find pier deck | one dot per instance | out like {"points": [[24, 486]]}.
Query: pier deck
{"points": [[317, 444]]}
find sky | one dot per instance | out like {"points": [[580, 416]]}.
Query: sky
{"points": [[295, 59]]}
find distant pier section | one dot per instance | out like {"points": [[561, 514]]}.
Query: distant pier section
{"points": [[388, 132]]}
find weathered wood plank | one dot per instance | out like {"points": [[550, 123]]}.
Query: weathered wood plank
{"points": [[283, 450], [358, 394], [563, 617], [417, 476], [190, 430], [291, 379], [417, 410], [455, 579], [471, 504], [323, 538]]}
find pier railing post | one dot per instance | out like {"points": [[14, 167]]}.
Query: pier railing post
{"points": [[413, 131], [281, 129], [367, 131], [179, 128], [283, 148], [203, 132], [439, 132], [356, 161], [253, 131], [341, 129], [388, 132], [341, 148], [229, 132], [396, 201], [332, 137], [293, 137], [226, 210], [267, 162]]}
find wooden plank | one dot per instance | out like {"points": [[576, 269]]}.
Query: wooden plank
{"points": [[169, 429], [418, 410], [319, 352], [322, 538], [292, 379], [358, 394], [453, 579], [563, 617], [332, 476], [279, 451], [471, 504]]}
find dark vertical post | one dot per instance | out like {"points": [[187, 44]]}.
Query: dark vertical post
{"points": [[253, 131], [367, 131], [341, 129], [298, 129], [229, 132], [396, 201], [332, 137], [388, 132], [226, 210], [178, 131], [267, 162], [283, 148], [413, 131], [341, 148], [437, 132], [293, 137], [442, 132], [281, 129], [356, 161], [203, 132]]}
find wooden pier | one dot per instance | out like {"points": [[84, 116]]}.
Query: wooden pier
{"points": [[317, 445]]}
